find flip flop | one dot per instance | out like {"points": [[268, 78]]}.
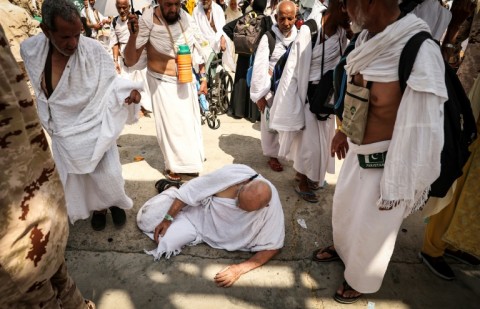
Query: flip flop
{"points": [[275, 165], [172, 176], [307, 196], [190, 174], [346, 300], [332, 252]]}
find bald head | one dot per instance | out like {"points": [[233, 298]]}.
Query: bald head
{"points": [[286, 5], [255, 195], [123, 8], [286, 16]]}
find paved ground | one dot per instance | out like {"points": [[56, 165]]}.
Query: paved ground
{"points": [[111, 268]]}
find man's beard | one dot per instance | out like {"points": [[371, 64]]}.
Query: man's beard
{"points": [[356, 28], [171, 19]]}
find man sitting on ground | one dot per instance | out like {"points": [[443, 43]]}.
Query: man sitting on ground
{"points": [[235, 200]]}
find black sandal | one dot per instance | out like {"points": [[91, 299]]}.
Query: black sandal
{"points": [[164, 184], [118, 216], [99, 220], [346, 300]]}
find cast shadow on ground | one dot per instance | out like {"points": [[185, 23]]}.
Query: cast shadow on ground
{"points": [[187, 282], [244, 149], [132, 145]]}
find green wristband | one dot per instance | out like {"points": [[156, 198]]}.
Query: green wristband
{"points": [[168, 218]]}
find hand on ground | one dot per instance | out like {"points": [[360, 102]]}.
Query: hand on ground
{"points": [[161, 229], [227, 276], [134, 97]]}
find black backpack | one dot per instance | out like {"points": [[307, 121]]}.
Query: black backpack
{"points": [[248, 31], [459, 123], [340, 79]]}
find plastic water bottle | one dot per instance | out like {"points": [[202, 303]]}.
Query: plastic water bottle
{"points": [[203, 102], [202, 99], [184, 64]]}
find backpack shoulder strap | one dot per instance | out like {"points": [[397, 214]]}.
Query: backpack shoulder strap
{"points": [[408, 56], [114, 21], [312, 24], [272, 38]]}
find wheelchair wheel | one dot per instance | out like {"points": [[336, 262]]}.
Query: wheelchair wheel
{"points": [[225, 90], [213, 123]]}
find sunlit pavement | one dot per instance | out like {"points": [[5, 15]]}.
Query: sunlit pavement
{"points": [[111, 268]]}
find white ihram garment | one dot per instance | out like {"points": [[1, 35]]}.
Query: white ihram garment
{"points": [[177, 120], [214, 220], [213, 37], [261, 83], [369, 205], [175, 105], [84, 116], [303, 138], [435, 15]]}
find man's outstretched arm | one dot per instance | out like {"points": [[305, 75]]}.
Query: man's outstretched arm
{"points": [[227, 277]]}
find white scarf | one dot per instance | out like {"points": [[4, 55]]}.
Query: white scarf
{"points": [[413, 159], [261, 81], [203, 22]]}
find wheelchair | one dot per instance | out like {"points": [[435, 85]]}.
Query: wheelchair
{"points": [[220, 86]]}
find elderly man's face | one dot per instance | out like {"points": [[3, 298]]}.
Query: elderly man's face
{"points": [[207, 3], [170, 10], [286, 18], [233, 4], [65, 38], [123, 7]]}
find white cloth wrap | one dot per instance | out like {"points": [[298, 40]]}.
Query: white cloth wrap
{"points": [[289, 102], [84, 117], [261, 83], [364, 236], [413, 161], [204, 24], [177, 120], [261, 79], [120, 34], [87, 112], [158, 36], [213, 37], [302, 137], [218, 221], [436, 16]]}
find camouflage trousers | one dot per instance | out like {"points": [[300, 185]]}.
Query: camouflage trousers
{"points": [[58, 292]]}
